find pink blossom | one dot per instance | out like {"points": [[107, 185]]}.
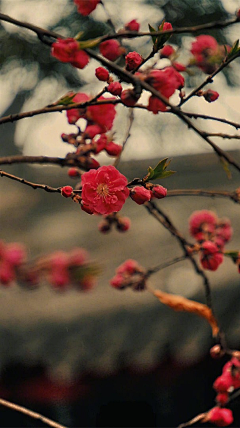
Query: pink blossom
{"points": [[104, 190], [76, 113], [103, 114], [202, 223]]}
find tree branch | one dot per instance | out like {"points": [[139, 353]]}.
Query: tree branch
{"points": [[30, 413]]}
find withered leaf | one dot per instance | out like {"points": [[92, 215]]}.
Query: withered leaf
{"points": [[179, 303]]}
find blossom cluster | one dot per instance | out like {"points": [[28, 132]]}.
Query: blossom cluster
{"points": [[129, 274], [224, 386], [207, 53], [60, 269], [212, 234]]}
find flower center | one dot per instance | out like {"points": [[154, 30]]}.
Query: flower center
{"points": [[103, 190]]}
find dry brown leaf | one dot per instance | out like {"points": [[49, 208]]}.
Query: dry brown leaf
{"points": [[179, 303]]}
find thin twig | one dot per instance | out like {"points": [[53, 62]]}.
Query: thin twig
{"points": [[167, 223], [221, 135], [207, 117], [128, 134], [161, 266], [30, 413], [126, 34], [209, 79], [208, 193]]}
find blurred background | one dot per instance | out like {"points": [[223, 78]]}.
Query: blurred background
{"points": [[111, 358]]}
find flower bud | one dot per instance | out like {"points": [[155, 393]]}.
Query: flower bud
{"points": [[66, 191], [102, 74], [123, 224], [74, 173], [133, 60], [140, 195], [129, 97], [158, 191], [220, 416], [166, 51], [113, 149], [115, 88], [104, 226], [111, 49], [132, 26], [210, 95]]}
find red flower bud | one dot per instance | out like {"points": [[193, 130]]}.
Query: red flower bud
{"points": [[222, 398], [113, 149], [133, 60], [74, 173], [118, 282], [158, 191], [178, 66], [140, 195], [104, 226], [93, 164], [111, 49], [210, 95], [167, 26], [123, 224], [85, 7], [129, 98], [166, 51], [220, 416], [102, 74], [132, 26], [66, 191], [115, 88]]}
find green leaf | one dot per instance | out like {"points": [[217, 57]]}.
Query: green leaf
{"points": [[159, 171], [158, 41], [152, 30], [85, 44], [234, 50], [234, 255], [65, 100], [225, 165]]}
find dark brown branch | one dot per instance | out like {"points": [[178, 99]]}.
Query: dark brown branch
{"points": [[180, 30], [28, 183], [126, 34], [58, 108], [70, 160]]}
